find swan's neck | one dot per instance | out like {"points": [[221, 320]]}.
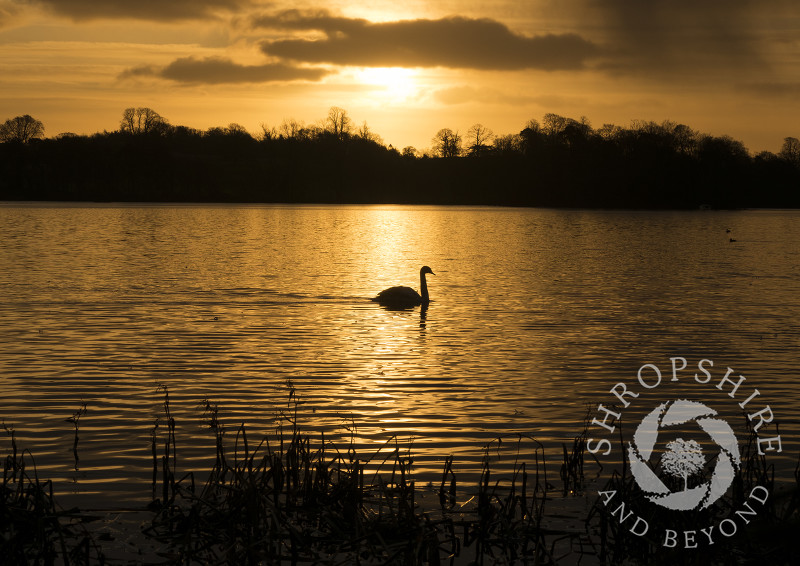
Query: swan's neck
{"points": [[423, 287]]}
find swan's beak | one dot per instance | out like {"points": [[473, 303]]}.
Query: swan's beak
{"points": [[432, 273]]}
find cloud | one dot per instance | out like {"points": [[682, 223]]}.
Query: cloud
{"points": [[789, 90], [8, 13], [155, 10], [219, 70], [680, 35], [454, 42], [467, 94]]}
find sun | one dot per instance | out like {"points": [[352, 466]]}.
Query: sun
{"points": [[397, 83]]}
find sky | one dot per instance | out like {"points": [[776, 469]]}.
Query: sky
{"points": [[406, 69]]}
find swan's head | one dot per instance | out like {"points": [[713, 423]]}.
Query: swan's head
{"points": [[425, 269]]}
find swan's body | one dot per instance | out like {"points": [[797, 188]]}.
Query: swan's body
{"points": [[405, 297]]}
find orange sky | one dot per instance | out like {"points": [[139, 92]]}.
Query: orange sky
{"points": [[406, 68]]}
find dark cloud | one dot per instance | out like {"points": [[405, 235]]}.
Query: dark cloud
{"points": [[218, 70], [467, 94], [156, 10], [454, 42], [8, 13], [680, 35], [790, 90]]}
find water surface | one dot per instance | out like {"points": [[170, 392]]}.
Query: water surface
{"points": [[536, 314]]}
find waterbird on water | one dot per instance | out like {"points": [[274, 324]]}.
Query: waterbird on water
{"points": [[405, 297]]}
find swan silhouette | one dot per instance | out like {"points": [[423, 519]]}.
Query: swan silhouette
{"points": [[405, 297]]}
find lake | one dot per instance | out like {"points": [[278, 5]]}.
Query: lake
{"points": [[535, 315]]}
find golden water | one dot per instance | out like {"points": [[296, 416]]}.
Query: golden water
{"points": [[535, 315]]}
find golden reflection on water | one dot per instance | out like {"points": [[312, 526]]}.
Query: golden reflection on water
{"points": [[388, 240], [535, 314]]}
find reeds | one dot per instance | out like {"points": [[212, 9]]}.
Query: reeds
{"points": [[292, 498], [33, 529], [505, 524], [75, 420]]}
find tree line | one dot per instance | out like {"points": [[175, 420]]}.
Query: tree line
{"points": [[556, 161]]}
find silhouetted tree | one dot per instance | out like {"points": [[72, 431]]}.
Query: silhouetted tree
{"points": [[289, 128], [533, 124], [235, 129], [766, 156], [576, 132], [531, 138], [790, 150], [722, 148], [560, 130], [338, 122], [447, 143], [478, 138], [184, 132], [232, 130], [553, 125], [667, 136], [365, 133], [609, 132], [558, 162], [142, 121], [510, 143], [685, 139], [21, 129], [268, 132]]}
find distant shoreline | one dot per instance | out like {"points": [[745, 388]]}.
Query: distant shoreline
{"points": [[538, 170], [188, 204]]}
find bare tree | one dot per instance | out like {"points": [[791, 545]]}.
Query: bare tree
{"points": [[289, 128], [684, 139], [609, 132], [478, 138], [721, 147], [232, 130], [790, 150], [338, 122], [268, 132], [766, 156], [142, 121], [553, 125], [682, 459], [366, 134], [21, 129], [510, 143], [533, 125], [235, 129], [447, 143]]}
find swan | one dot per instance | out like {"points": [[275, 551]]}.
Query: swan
{"points": [[406, 297]]}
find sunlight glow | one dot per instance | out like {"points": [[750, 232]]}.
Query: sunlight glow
{"points": [[398, 83]]}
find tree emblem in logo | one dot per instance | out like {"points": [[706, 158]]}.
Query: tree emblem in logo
{"points": [[683, 458]]}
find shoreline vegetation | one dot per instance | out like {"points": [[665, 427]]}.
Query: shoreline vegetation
{"points": [[552, 162], [288, 499]]}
